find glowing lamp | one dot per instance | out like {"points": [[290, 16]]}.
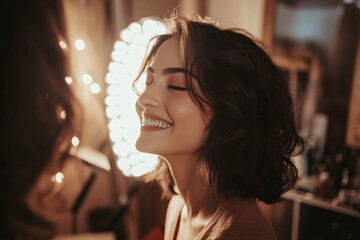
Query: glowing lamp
{"points": [[123, 123]]}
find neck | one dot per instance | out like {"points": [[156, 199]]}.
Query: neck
{"points": [[199, 201]]}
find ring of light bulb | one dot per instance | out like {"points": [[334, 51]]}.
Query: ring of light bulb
{"points": [[124, 125]]}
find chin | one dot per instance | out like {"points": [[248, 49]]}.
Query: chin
{"points": [[138, 147], [143, 148]]}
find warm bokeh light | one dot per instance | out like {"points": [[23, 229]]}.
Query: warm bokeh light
{"points": [[75, 141], [68, 80], [62, 44], [80, 44], [58, 177], [86, 78], [124, 125], [63, 114], [95, 88]]}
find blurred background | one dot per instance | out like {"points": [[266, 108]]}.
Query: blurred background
{"points": [[315, 42]]}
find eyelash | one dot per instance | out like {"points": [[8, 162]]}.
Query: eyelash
{"points": [[149, 81], [173, 87], [176, 88]]}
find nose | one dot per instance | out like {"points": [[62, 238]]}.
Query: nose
{"points": [[149, 98]]}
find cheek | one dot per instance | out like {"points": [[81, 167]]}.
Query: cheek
{"points": [[190, 124], [188, 113]]}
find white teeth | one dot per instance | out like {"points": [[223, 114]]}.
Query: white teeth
{"points": [[155, 123]]}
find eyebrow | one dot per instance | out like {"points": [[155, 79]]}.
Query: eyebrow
{"points": [[171, 70]]}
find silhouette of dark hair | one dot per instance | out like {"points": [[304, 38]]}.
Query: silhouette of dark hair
{"points": [[34, 135]]}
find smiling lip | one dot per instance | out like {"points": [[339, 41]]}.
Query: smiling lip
{"points": [[152, 122], [151, 129], [155, 117]]}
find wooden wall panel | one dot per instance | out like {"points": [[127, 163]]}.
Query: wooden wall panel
{"points": [[353, 127]]}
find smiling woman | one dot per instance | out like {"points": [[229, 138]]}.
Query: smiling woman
{"points": [[217, 111]]}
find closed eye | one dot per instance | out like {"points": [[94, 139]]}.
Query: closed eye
{"points": [[177, 88], [149, 80]]}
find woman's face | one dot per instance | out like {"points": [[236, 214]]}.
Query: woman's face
{"points": [[171, 123]]}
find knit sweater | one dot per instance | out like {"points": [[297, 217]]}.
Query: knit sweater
{"points": [[235, 218]]}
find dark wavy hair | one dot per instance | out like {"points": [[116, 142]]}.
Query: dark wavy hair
{"points": [[252, 133], [33, 70]]}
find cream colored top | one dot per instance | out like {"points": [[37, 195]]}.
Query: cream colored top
{"points": [[235, 218]]}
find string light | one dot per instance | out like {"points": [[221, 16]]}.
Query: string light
{"points": [[95, 88], [62, 44], [80, 44], [75, 141], [63, 114], [124, 125], [58, 181], [68, 80], [58, 177], [86, 78]]}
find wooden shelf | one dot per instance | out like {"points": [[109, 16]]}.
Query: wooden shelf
{"points": [[331, 205]]}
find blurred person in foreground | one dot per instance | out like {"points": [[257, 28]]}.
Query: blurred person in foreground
{"points": [[37, 119]]}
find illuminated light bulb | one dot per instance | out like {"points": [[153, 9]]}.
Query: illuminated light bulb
{"points": [[116, 56], [114, 124], [75, 141], [86, 78], [145, 166], [62, 44], [160, 29], [120, 46], [110, 78], [113, 78], [124, 166], [60, 111], [109, 101], [135, 27], [58, 178], [149, 27], [95, 88], [80, 44], [124, 163], [63, 114], [68, 80], [113, 100], [123, 122], [112, 112], [115, 135], [115, 67], [114, 90], [127, 36], [121, 149]]}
